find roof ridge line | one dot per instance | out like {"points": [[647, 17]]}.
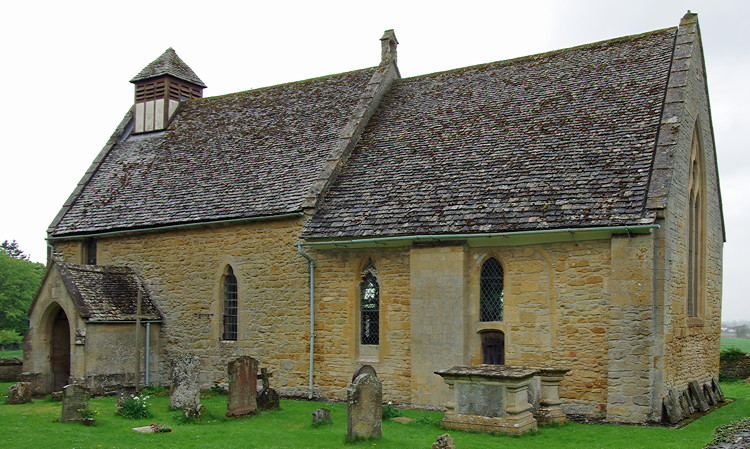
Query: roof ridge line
{"points": [[546, 53]]}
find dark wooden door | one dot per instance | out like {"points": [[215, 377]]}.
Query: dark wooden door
{"points": [[60, 351], [493, 348]]}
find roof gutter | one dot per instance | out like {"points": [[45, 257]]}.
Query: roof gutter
{"points": [[177, 226], [556, 234], [121, 321]]}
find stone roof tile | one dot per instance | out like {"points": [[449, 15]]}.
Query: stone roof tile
{"points": [[247, 154], [557, 140], [107, 293]]}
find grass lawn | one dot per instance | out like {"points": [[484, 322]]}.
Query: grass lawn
{"points": [[35, 426], [10, 354], [742, 344]]}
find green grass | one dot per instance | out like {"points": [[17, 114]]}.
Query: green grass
{"points": [[35, 425], [742, 344], [10, 354]]}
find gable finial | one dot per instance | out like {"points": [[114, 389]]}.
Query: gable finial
{"points": [[388, 44]]}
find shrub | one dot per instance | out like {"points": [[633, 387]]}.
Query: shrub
{"points": [[731, 354], [9, 337], [389, 411], [134, 407]]}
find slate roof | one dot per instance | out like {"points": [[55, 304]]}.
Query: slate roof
{"points": [[559, 140], [168, 64], [248, 154], [106, 293]]}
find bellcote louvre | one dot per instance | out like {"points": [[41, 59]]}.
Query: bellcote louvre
{"points": [[159, 89]]}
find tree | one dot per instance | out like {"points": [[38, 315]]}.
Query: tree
{"points": [[12, 249], [742, 331], [19, 281]]}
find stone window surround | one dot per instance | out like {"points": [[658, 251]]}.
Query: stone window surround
{"points": [[481, 327], [696, 234], [220, 324], [366, 353]]}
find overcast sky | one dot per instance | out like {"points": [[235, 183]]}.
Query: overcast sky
{"points": [[66, 67]]}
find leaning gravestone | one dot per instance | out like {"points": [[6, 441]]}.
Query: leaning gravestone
{"points": [[268, 398], [697, 393], [19, 393], [185, 390], [364, 407], [75, 397], [243, 381]]}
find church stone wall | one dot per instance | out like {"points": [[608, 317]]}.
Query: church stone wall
{"points": [[184, 271], [691, 344], [584, 305]]}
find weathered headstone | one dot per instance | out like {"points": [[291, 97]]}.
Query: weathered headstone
{"points": [[672, 407], [321, 416], [19, 393], [444, 441], [364, 369], [365, 408], [696, 393], [185, 391], [709, 395], [717, 389], [75, 397], [268, 398], [243, 382]]}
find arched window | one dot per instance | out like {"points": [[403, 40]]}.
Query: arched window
{"points": [[491, 291], [695, 230], [230, 306], [369, 306]]}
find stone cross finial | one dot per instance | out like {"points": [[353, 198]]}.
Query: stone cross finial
{"points": [[265, 376], [388, 44]]}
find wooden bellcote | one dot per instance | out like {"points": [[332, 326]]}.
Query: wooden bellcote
{"points": [[159, 89]]}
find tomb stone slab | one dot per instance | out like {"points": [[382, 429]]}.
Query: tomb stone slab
{"points": [[490, 398], [365, 408], [75, 397], [243, 383]]}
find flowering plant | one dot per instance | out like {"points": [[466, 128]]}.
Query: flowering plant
{"points": [[86, 412], [134, 407]]}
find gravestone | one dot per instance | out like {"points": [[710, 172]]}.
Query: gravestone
{"points": [[19, 393], [364, 399], [243, 382], [717, 389], [321, 416], [444, 441], [75, 397], [364, 369], [696, 393], [268, 398], [185, 391], [672, 407]]}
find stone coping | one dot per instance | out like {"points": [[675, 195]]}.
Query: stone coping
{"points": [[489, 371]]}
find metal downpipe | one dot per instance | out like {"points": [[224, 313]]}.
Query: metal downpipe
{"points": [[311, 278]]}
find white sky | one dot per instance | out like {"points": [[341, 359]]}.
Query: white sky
{"points": [[66, 67]]}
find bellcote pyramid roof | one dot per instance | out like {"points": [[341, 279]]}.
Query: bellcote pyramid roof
{"points": [[169, 64]]}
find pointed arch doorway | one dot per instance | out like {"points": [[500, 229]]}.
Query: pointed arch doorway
{"points": [[60, 350]]}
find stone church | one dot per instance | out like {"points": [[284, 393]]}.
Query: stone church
{"points": [[556, 210]]}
